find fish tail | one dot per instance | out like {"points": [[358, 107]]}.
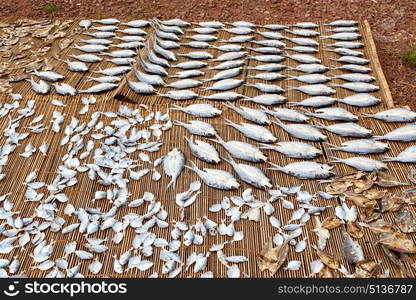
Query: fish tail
{"points": [[367, 115], [388, 158], [336, 159], [274, 167], [329, 144], [278, 122], [171, 183], [319, 125], [378, 137], [176, 107], [229, 105], [229, 122], [289, 87], [192, 167], [179, 123], [266, 146]]}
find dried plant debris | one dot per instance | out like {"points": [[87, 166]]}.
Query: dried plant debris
{"points": [[272, 258]]}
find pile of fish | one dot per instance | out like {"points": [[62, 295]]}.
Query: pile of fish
{"points": [[115, 149]]}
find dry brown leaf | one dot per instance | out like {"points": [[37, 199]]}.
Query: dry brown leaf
{"points": [[381, 226], [391, 202], [272, 258], [326, 272], [374, 194], [371, 211], [358, 199], [366, 269], [387, 180], [327, 259], [395, 259], [338, 187]]}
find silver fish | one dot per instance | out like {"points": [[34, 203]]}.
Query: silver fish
{"points": [[197, 55], [361, 146], [265, 50], [310, 78], [204, 30], [267, 99], [196, 44], [241, 24], [141, 87], [105, 79], [101, 35], [85, 24], [192, 64], [317, 101], [228, 48], [224, 96], [406, 133], [184, 84], [198, 127], [349, 129], [267, 88], [255, 132], [65, 89], [394, 115], [228, 65], [303, 49], [132, 31], [155, 80], [49, 75], [99, 88], [310, 68], [76, 66], [239, 39], [175, 22], [105, 28], [230, 56], [123, 61], [351, 249], [342, 23], [187, 74], [271, 43], [242, 150], [225, 85], [211, 24], [345, 51], [165, 44], [113, 71], [304, 58], [179, 95], [333, 114], [130, 38], [294, 149], [347, 45], [169, 55], [97, 41], [202, 110], [304, 41], [267, 67], [201, 37], [250, 114], [152, 68], [215, 178], [39, 88], [173, 164], [129, 45], [203, 150], [137, 23], [121, 53], [306, 25], [274, 26], [225, 74], [268, 76], [360, 87], [302, 131], [360, 100], [267, 58], [314, 89], [88, 58], [355, 77], [287, 114], [408, 155], [303, 32], [343, 36], [91, 48], [271, 35], [108, 21], [250, 174], [353, 68], [306, 170], [351, 60], [362, 163]]}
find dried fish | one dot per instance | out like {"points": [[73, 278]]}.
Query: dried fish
{"points": [[215, 178]]}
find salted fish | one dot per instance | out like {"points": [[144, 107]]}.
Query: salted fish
{"points": [[99, 88], [406, 133], [302, 131], [215, 178], [198, 128], [351, 249], [306, 170], [333, 114], [310, 78], [225, 74], [88, 58], [267, 88], [314, 89], [224, 96], [267, 99], [250, 174], [317, 101], [286, 114], [361, 146], [310, 68], [348, 129], [350, 59], [179, 95], [203, 150], [361, 163], [408, 155], [202, 110], [360, 100], [394, 115], [255, 132], [355, 77], [360, 87], [242, 150], [173, 164], [294, 149], [250, 114]]}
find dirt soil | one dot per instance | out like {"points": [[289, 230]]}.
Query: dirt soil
{"points": [[393, 21]]}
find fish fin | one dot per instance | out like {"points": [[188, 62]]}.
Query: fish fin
{"points": [[266, 146], [278, 122], [319, 125], [378, 137], [176, 107], [171, 183], [332, 145], [229, 105], [179, 123], [336, 159], [229, 122], [367, 115], [289, 87], [192, 167], [189, 140]]}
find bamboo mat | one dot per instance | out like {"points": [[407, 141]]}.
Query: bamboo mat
{"points": [[256, 233]]}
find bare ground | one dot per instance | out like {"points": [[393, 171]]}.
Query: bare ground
{"points": [[393, 21]]}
